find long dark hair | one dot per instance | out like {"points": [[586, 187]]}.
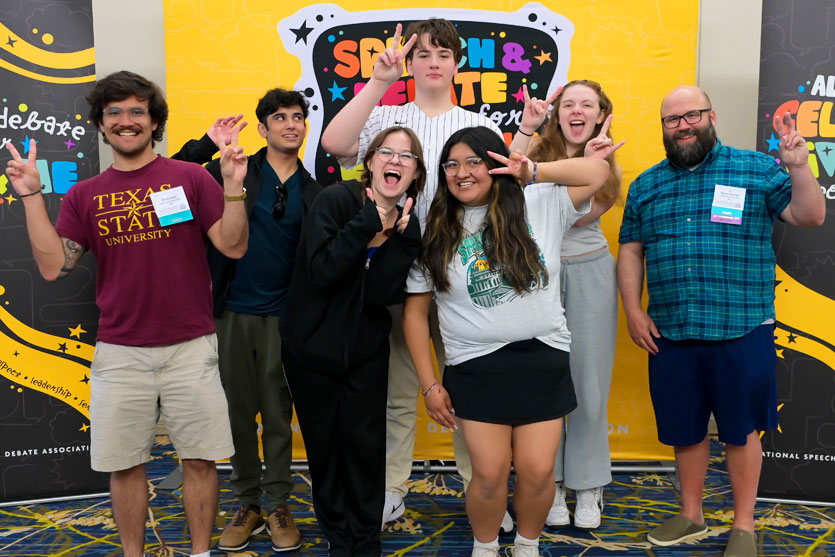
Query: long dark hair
{"points": [[551, 145], [507, 243]]}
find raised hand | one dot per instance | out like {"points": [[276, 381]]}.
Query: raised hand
{"points": [[389, 64], [517, 165], [793, 149], [232, 159], [535, 111], [602, 146], [24, 175], [403, 221], [221, 130]]}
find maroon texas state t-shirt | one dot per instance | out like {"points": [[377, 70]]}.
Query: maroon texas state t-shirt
{"points": [[153, 286]]}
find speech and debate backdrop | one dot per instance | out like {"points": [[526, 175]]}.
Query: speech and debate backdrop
{"points": [[222, 57], [797, 75], [47, 330]]}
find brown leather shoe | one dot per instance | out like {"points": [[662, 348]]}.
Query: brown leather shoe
{"points": [[245, 524], [283, 532]]}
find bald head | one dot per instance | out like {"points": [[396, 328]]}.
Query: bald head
{"points": [[685, 95]]}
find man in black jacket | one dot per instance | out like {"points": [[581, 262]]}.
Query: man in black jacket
{"points": [[249, 294]]}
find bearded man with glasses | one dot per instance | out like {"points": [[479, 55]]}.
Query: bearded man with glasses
{"points": [[249, 295], [702, 220]]}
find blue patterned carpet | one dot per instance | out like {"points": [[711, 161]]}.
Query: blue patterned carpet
{"points": [[435, 522]]}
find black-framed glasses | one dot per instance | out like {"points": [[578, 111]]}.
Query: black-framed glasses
{"points": [[280, 206], [691, 117], [406, 158], [135, 113], [471, 164]]}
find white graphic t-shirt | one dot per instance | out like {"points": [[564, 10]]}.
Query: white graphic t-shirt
{"points": [[481, 313]]}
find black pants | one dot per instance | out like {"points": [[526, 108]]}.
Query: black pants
{"points": [[343, 423]]}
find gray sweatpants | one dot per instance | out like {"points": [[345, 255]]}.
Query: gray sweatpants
{"points": [[588, 286]]}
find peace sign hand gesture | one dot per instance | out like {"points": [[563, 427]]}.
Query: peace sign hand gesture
{"points": [[793, 149], [602, 146], [24, 175], [232, 159], [222, 129], [403, 221], [389, 65]]}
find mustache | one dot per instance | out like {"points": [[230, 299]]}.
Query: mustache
{"points": [[681, 134]]}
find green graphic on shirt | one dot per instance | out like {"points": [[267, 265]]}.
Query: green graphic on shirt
{"points": [[486, 287]]}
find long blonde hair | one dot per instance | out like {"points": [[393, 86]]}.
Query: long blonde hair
{"points": [[551, 145]]}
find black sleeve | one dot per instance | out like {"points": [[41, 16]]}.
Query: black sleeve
{"points": [[201, 151], [336, 237], [385, 283]]}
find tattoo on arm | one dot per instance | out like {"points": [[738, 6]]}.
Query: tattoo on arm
{"points": [[73, 252]]}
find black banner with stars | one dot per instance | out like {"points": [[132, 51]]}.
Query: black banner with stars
{"points": [[797, 75], [47, 330]]}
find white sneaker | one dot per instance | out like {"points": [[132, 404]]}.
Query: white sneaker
{"points": [[485, 552], [393, 507], [588, 509], [558, 515], [506, 526], [525, 550]]}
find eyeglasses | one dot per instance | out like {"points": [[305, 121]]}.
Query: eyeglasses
{"points": [[470, 165], [280, 205], [135, 113], [692, 117], [406, 158]]}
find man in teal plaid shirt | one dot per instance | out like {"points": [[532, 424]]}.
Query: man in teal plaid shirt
{"points": [[702, 220]]}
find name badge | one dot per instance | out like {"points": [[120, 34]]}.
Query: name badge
{"points": [[171, 206], [728, 204]]}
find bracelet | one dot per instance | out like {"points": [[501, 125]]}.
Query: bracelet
{"points": [[523, 133], [535, 171], [33, 193], [235, 197], [431, 388]]}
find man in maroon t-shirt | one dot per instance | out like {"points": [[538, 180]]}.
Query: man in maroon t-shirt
{"points": [[147, 219]]}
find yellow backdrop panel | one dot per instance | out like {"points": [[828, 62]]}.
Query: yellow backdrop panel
{"points": [[222, 56]]}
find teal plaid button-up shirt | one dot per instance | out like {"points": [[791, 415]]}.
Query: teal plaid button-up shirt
{"points": [[707, 280]]}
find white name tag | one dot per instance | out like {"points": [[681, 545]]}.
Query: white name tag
{"points": [[171, 206], [728, 204]]}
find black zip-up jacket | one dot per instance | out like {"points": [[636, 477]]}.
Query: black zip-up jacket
{"points": [[201, 151], [336, 311]]}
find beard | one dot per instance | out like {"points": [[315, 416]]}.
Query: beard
{"points": [[693, 153]]}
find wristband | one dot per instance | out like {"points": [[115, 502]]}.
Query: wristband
{"points": [[235, 197], [535, 171], [431, 388], [32, 193], [523, 133]]}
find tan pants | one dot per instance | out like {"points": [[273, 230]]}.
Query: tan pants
{"points": [[401, 407]]}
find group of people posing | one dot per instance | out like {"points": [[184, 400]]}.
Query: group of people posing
{"points": [[333, 299]]}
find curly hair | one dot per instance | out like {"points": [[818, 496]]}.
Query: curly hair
{"points": [[551, 145], [279, 98], [507, 242], [119, 86]]}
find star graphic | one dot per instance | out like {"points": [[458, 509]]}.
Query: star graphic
{"points": [[25, 144], [11, 198], [302, 32], [16, 353], [372, 51], [773, 143], [519, 95], [70, 144], [826, 150], [63, 347], [11, 41], [76, 331], [85, 380], [556, 30], [792, 338], [544, 57], [336, 92], [84, 427]]}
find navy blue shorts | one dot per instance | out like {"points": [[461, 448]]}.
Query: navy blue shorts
{"points": [[734, 379]]}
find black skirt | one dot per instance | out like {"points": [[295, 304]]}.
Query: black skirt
{"points": [[521, 383]]}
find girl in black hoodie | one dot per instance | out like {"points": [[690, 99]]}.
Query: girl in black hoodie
{"points": [[356, 248]]}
